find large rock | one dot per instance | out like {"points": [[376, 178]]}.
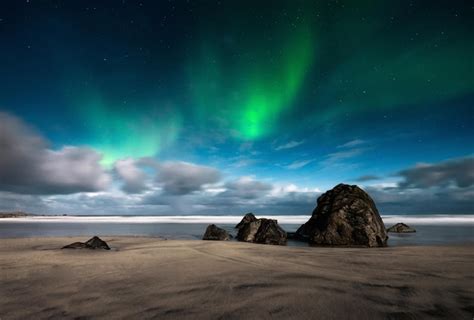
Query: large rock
{"points": [[92, 243], [249, 217], [266, 231], [248, 230], [347, 216], [400, 228], [213, 232]]}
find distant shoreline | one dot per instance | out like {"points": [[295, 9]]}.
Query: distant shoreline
{"points": [[16, 214]]}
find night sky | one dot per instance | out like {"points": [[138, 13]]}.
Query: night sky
{"points": [[185, 107]]}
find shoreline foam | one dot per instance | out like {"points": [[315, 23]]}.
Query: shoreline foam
{"points": [[282, 219]]}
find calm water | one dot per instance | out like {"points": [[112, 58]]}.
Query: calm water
{"points": [[437, 232]]}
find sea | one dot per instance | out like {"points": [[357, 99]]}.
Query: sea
{"points": [[430, 229]]}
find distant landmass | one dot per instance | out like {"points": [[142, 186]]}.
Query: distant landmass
{"points": [[15, 214]]}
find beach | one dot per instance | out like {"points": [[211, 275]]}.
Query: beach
{"points": [[153, 278]]}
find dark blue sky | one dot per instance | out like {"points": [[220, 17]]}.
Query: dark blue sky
{"points": [[222, 107]]}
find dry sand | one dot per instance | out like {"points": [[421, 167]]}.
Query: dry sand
{"points": [[149, 278]]}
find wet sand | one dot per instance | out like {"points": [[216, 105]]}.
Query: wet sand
{"points": [[149, 278]]}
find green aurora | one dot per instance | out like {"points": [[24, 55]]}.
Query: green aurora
{"points": [[250, 72]]}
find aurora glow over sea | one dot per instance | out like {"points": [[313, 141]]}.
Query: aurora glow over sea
{"points": [[225, 107]]}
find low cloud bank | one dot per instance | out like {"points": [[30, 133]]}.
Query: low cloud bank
{"points": [[29, 166], [34, 177]]}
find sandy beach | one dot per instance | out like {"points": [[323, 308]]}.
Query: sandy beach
{"points": [[150, 278]]}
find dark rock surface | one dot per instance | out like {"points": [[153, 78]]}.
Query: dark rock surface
{"points": [[265, 231], [292, 236], [345, 215], [97, 243], [213, 232], [77, 245], [400, 228], [93, 243], [249, 217]]}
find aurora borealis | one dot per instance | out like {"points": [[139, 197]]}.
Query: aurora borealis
{"points": [[278, 98]]}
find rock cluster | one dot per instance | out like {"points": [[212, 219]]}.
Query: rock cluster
{"points": [[213, 232], [400, 228], [265, 231], [93, 243], [249, 217], [345, 215]]}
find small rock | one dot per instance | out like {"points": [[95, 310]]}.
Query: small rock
{"points": [[97, 243], [92, 243], [213, 232], [401, 228], [265, 231]]}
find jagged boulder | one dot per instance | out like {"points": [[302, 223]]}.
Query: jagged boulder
{"points": [[345, 215], [265, 231], [248, 230], [213, 232], [97, 243], [249, 217], [93, 243], [400, 228]]}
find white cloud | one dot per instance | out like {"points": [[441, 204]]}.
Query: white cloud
{"points": [[352, 143], [336, 158], [291, 188], [298, 164], [289, 145], [133, 176], [246, 188]]}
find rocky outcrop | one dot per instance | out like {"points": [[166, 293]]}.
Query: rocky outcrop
{"points": [[93, 243], [249, 217], [213, 232], [345, 215], [400, 228], [265, 231]]}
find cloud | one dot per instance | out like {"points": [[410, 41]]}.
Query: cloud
{"points": [[352, 143], [132, 175], [423, 201], [245, 188], [368, 177], [296, 202], [441, 188], [239, 196], [346, 151], [180, 178], [248, 194], [335, 158], [21, 202], [28, 166], [36, 178], [459, 172], [289, 145], [298, 164]]}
